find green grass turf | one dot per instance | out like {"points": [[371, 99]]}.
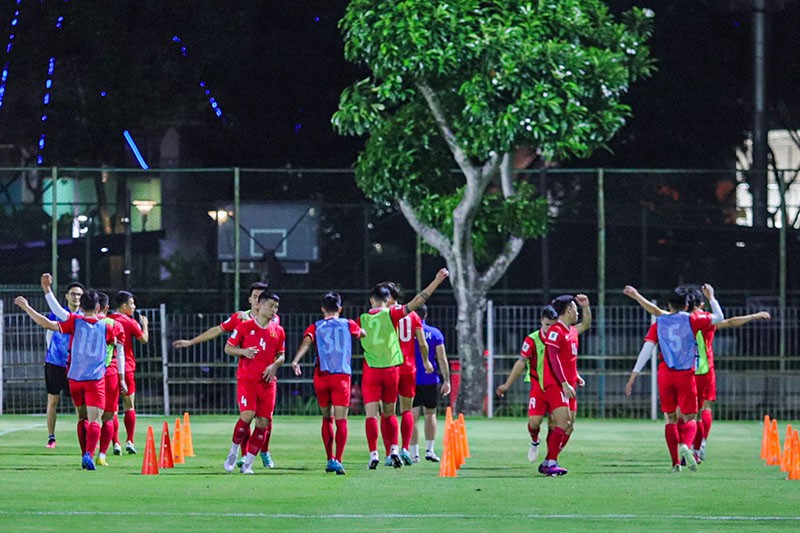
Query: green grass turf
{"points": [[619, 479]]}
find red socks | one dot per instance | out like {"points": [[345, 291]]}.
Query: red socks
{"points": [[105, 435], [130, 423], [391, 431], [115, 436], [406, 428], [555, 439], [341, 438], [707, 417], [92, 437], [327, 436], [534, 433], [256, 440], [688, 433], [241, 432], [372, 433], [698, 436], [671, 434], [267, 435], [82, 427]]}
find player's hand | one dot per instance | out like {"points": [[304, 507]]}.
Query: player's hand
{"points": [[445, 388], [582, 300], [501, 390], [123, 386], [249, 353], [428, 367], [630, 291], [243, 316], [143, 321], [708, 291], [629, 385], [296, 368], [442, 274], [46, 282], [568, 390], [763, 315], [581, 382], [269, 373], [21, 301], [181, 343]]}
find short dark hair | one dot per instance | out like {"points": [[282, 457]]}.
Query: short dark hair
{"points": [[561, 303], [380, 293], [331, 301], [695, 295], [549, 312], [264, 296], [75, 284], [391, 286], [102, 299], [258, 286], [123, 297], [89, 300], [679, 298], [422, 311]]}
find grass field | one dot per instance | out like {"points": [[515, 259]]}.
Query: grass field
{"points": [[619, 480]]}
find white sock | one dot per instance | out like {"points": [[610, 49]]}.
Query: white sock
{"points": [[429, 444], [373, 455], [414, 450], [101, 456], [393, 450], [248, 460], [234, 449]]}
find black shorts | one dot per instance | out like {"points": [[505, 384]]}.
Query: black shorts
{"points": [[55, 379], [427, 396]]}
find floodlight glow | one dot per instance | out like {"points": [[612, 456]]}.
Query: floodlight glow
{"points": [[135, 149]]}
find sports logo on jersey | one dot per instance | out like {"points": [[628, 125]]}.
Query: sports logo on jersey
{"points": [[526, 346], [552, 336]]}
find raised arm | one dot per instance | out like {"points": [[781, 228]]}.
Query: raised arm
{"points": [[586, 311], [207, 335], [143, 322], [716, 310], [646, 304], [425, 293], [37, 317], [52, 302], [737, 321]]}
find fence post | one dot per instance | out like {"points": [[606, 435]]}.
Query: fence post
{"points": [[237, 238], [490, 358], [782, 271], [653, 377], [54, 227], [162, 312], [601, 293], [2, 343]]}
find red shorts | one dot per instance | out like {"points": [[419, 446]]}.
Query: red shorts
{"points": [[546, 401], [112, 393], [130, 381], [573, 404], [677, 389], [332, 389], [407, 385], [379, 384], [706, 387], [88, 393], [258, 396]]}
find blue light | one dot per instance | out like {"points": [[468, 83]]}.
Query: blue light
{"points": [[316, 19], [103, 94], [215, 107], [135, 149], [46, 99], [48, 83], [44, 118], [39, 160]]}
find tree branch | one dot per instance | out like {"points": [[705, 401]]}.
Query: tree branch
{"points": [[447, 131], [507, 175], [430, 235], [496, 270]]}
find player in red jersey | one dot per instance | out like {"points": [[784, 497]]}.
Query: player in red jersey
{"points": [[260, 345], [677, 364], [332, 371], [126, 305], [705, 375], [409, 330], [115, 383], [227, 326], [87, 365], [382, 359]]}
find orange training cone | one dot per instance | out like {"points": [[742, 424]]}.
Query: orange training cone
{"points": [[455, 438], [462, 426], [150, 463], [787, 449], [765, 437], [165, 457], [186, 434], [177, 444], [794, 469], [775, 449], [447, 465]]}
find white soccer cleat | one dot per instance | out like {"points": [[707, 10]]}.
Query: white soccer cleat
{"points": [[687, 455], [230, 462], [533, 452], [247, 469], [676, 469]]}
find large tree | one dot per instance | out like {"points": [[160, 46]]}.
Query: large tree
{"points": [[469, 84]]}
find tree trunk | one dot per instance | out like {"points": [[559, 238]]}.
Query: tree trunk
{"points": [[471, 344]]}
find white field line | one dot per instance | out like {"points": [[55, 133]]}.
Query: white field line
{"points": [[24, 428]]}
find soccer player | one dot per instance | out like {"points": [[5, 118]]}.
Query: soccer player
{"points": [[55, 361], [542, 400], [332, 373], [411, 337], [260, 345], [677, 363], [382, 359], [256, 289], [126, 305], [428, 387], [705, 375], [87, 365]]}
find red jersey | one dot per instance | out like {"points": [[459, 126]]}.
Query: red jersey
{"points": [[698, 321], [236, 318], [565, 339], [270, 341], [529, 351], [406, 328], [132, 331]]}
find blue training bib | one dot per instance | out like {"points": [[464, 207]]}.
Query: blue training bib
{"points": [[334, 346], [677, 341]]}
